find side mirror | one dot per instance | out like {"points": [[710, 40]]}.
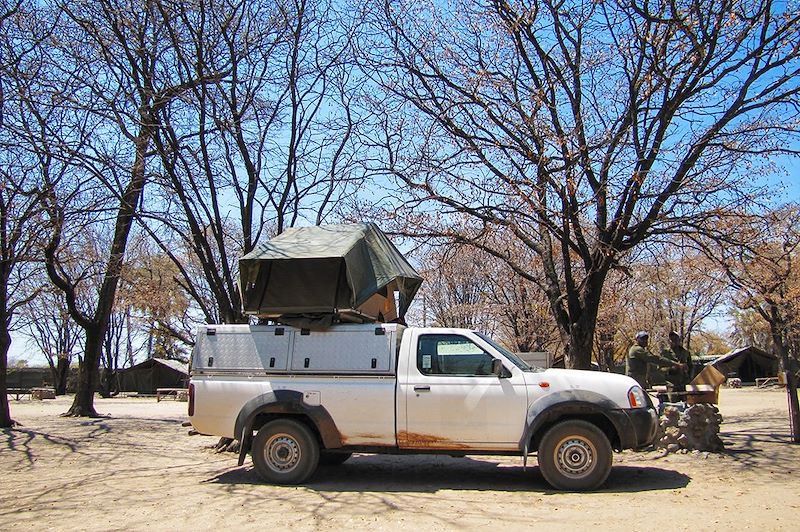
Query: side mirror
{"points": [[499, 370]]}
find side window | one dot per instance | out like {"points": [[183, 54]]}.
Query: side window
{"points": [[451, 354]]}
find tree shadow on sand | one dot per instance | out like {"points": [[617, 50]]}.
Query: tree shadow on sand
{"points": [[21, 440], [756, 447]]}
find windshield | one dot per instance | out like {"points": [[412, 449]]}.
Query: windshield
{"points": [[521, 364]]}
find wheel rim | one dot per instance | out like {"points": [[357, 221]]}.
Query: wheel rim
{"points": [[575, 457], [282, 453]]}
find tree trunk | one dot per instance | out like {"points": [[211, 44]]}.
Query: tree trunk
{"points": [[794, 407], [59, 372], [61, 376], [776, 328], [88, 377], [5, 411], [578, 354], [582, 323], [108, 386], [605, 351]]}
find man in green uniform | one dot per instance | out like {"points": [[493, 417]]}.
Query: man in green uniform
{"points": [[639, 360], [678, 376]]}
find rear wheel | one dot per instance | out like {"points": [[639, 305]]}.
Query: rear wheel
{"points": [[327, 458], [575, 455], [285, 452]]}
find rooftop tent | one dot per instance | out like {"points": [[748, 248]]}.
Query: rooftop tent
{"points": [[349, 270]]}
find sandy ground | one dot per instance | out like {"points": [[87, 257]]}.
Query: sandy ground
{"points": [[138, 469]]}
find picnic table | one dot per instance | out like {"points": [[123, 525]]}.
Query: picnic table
{"points": [[18, 392], [35, 393], [177, 394], [767, 381]]}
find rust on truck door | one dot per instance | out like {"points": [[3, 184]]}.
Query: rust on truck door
{"points": [[373, 440], [412, 440]]}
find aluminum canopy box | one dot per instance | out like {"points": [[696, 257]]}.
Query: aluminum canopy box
{"points": [[346, 349]]}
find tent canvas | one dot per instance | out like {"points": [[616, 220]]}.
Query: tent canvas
{"points": [[154, 373], [327, 270], [747, 363]]}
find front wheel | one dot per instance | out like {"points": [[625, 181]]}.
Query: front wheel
{"points": [[285, 452], [575, 455]]}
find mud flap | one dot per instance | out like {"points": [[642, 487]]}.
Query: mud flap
{"points": [[524, 458], [244, 442]]}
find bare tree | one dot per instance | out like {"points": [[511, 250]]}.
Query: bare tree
{"points": [[154, 306], [765, 275], [466, 287], [106, 71], [20, 185], [750, 329], [678, 290], [616, 320], [523, 313], [257, 151], [119, 349], [520, 306], [48, 326], [454, 292], [585, 129]]}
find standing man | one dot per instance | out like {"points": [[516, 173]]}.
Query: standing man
{"points": [[639, 360], [678, 376]]}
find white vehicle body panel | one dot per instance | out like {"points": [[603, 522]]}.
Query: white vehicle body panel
{"points": [[358, 404], [370, 382], [611, 385]]}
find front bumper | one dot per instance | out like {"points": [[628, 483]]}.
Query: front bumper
{"points": [[636, 427]]}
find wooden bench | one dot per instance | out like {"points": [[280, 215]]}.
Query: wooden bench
{"points": [[178, 394]]}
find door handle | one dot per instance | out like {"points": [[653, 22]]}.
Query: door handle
{"points": [[422, 388]]}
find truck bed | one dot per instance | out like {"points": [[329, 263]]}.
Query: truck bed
{"points": [[350, 370]]}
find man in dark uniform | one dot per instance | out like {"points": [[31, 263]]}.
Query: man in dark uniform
{"points": [[639, 360], [678, 376]]}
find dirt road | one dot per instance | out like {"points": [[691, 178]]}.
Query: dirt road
{"points": [[139, 470]]}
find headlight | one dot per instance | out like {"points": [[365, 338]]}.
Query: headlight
{"points": [[636, 397]]}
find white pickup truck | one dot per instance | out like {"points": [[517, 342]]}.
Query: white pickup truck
{"points": [[297, 398]]}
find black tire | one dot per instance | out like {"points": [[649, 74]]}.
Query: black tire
{"points": [[285, 452], [327, 458], [575, 455]]}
